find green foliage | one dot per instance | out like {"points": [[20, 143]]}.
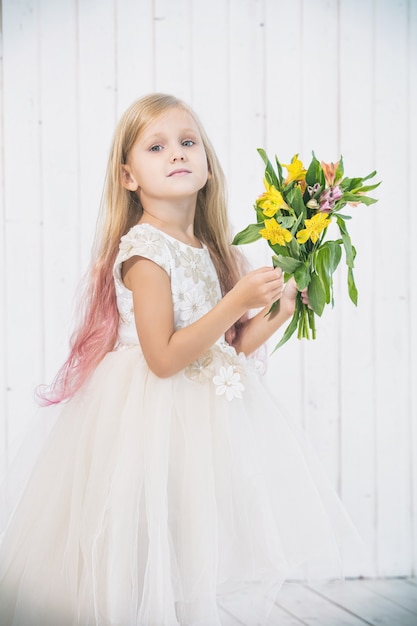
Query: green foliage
{"points": [[302, 205]]}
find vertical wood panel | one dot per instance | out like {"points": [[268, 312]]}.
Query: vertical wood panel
{"points": [[3, 301], [246, 115], [357, 381], [392, 346], [172, 47], [320, 133], [96, 70], [283, 104], [411, 270], [23, 213], [134, 51], [210, 88], [59, 181]]}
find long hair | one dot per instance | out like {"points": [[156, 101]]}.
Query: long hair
{"points": [[96, 331]]}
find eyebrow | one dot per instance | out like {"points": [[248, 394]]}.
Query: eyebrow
{"points": [[156, 136]]}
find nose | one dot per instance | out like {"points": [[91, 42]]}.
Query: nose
{"points": [[177, 155]]}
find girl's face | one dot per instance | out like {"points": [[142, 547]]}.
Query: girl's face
{"points": [[168, 160]]}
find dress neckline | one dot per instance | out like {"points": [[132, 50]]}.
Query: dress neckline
{"points": [[162, 232]]}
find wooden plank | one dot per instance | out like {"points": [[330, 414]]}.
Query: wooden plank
{"points": [[3, 328], [210, 86], [282, 136], [395, 590], [358, 418], [313, 609], [228, 619], [172, 58], [97, 101], [391, 343], [283, 618], [355, 597], [321, 399], [412, 266], [134, 25], [22, 211], [60, 192]]}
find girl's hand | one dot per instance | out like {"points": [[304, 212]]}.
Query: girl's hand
{"points": [[259, 288], [289, 295]]}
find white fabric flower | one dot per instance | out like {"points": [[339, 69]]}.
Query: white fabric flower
{"points": [[193, 306], [228, 383], [179, 291], [193, 265], [141, 241]]}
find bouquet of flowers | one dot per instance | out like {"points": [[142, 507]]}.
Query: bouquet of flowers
{"points": [[293, 215]]}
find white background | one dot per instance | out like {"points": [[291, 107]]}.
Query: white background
{"points": [[333, 76]]}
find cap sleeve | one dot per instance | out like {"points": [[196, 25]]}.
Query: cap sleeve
{"points": [[145, 242]]}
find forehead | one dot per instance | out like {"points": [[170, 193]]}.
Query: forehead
{"points": [[173, 120]]}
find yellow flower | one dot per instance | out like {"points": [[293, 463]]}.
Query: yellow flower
{"points": [[295, 169], [271, 201], [275, 233], [314, 228]]}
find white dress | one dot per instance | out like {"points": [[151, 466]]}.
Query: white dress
{"points": [[158, 502]]}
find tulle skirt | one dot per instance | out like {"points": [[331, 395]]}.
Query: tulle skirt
{"points": [[158, 502]]}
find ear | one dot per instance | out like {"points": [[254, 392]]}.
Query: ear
{"points": [[127, 179]]}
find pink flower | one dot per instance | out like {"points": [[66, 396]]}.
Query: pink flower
{"points": [[329, 197]]}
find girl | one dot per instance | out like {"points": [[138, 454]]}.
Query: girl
{"points": [[170, 490]]}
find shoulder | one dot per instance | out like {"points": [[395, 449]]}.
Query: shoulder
{"points": [[146, 241]]}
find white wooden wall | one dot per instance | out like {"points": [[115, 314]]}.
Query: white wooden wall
{"points": [[336, 76]]}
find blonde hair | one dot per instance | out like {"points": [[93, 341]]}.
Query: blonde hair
{"points": [[120, 210]]}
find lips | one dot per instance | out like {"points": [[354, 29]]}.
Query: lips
{"points": [[179, 172]]}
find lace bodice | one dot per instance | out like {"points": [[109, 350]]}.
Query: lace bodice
{"points": [[195, 290], [194, 284]]}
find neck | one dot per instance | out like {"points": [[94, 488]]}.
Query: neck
{"points": [[175, 219]]}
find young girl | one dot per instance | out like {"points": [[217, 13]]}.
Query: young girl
{"points": [[170, 490]]}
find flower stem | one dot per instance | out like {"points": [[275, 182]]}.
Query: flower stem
{"points": [[312, 321]]}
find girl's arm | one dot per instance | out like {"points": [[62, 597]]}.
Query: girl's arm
{"points": [[260, 327], [166, 350]]}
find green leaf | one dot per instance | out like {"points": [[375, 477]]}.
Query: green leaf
{"points": [[295, 198], [340, 170], [365, 188], [371, 175], [291, 328], [279, 170], [286, 221], [270, 174], [314, 172], [347, 184], [248, 235], [347, 243], [286, 263], [353, 197], [294, 248], [302, 275], [316, 294], [352, 290], [331, 253]]}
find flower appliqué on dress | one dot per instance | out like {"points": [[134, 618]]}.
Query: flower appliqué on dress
{"points": [[228, 383], [225, 369]]}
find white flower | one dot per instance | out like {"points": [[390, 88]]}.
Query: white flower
{"points": [[201, 369], [180, 290], [212, 291], [193, 306], [193, 265], [228, 383], [141, 241]]}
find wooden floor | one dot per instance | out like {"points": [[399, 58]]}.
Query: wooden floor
{"points": [[381, 602]]}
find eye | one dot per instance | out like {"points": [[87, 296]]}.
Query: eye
{"points": [[188, 143], [155, 148]]}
